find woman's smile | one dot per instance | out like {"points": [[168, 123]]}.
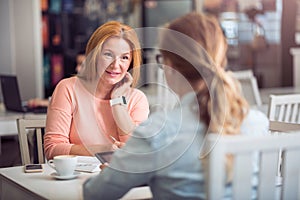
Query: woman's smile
{"points": [[112, 73]]}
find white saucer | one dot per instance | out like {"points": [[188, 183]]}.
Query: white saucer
{"points": [[54, 174]]}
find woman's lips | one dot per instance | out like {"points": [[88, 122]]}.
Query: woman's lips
{"points": [[113, 73]]}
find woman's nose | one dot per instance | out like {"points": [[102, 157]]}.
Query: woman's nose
{"points": [[116, 62]]}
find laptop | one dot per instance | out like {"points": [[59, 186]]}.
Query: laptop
{"points": [[12, 98]]}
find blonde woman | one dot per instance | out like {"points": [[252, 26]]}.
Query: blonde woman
{"points": [[165, 155], [88, 112]]}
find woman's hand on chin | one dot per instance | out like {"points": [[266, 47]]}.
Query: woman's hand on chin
{"points": [[122, 87]]}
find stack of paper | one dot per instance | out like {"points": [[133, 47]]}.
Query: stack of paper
{"points": [[88, 164]]}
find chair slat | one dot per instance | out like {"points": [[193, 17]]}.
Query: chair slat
{"points": [[291, 163], [23, 146], [39, 145], [267, 171], [297, 113], [216, 172], [243, 171], [281, 113], [294, 113], [287, 113]]}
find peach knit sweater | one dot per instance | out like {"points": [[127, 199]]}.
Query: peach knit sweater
{"points": [[76, 116]]}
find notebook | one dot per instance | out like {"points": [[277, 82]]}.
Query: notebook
{"points": [[12, 98], [88, 164]]}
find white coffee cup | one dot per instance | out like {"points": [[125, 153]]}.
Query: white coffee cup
{"points": [[64, 164]]}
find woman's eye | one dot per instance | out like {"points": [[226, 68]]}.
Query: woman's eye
{"points": [[107, 54], [125, 57]]}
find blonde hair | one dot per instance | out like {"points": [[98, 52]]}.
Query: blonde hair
{"points": [[205, 30], [221, 104], [98, 38]]}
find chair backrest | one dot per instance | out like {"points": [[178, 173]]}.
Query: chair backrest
{"points": [[243, 74], [242, 148], [24, 126], [249, 86], [284, 108], [284, 116]]}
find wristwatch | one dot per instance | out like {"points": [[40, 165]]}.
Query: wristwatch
{"points": [[118, 101]]}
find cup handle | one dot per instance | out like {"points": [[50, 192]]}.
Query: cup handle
{"points": [[50, 163]]}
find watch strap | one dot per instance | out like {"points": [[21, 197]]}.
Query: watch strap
{"points": [[118, 101]]}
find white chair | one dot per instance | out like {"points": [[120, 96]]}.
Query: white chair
{"points": [[242, 149], [36, 126], [243, 74], [284, 108], [249, 86], [284, 116], [277, 127]]}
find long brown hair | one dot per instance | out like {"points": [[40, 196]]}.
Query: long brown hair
{"points": [[222, 106], [96, 41]]}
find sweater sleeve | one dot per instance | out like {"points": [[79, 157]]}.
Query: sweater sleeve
{"points": [[59, 119]]}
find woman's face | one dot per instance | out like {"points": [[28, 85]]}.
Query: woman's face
{"points": [[115, 57]]}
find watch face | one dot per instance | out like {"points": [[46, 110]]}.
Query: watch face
{"points": [[124, 100]]}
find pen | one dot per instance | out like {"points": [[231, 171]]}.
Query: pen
{"points": [[114, 139]]}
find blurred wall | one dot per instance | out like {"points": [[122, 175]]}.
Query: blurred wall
{"points": [[20, 44]]}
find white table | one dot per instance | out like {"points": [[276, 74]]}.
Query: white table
{"points": [[8, 125], [15, 184]]}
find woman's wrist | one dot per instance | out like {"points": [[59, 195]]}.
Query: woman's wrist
{"points": [[121, 100]]}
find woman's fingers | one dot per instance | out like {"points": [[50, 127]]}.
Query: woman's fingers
{"points": [[117, 145], [123, 86], [102, 166]]}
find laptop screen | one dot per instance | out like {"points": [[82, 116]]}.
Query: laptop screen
{"points": [[10, 93]]}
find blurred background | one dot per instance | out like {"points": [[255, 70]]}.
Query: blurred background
{"points": [[39, 39]]}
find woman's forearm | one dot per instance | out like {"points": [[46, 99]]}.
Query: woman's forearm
{"points": [[79, 150], [90, 150], [123, 119]]}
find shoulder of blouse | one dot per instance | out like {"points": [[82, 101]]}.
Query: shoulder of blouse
{"points": [[65, 83]]}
